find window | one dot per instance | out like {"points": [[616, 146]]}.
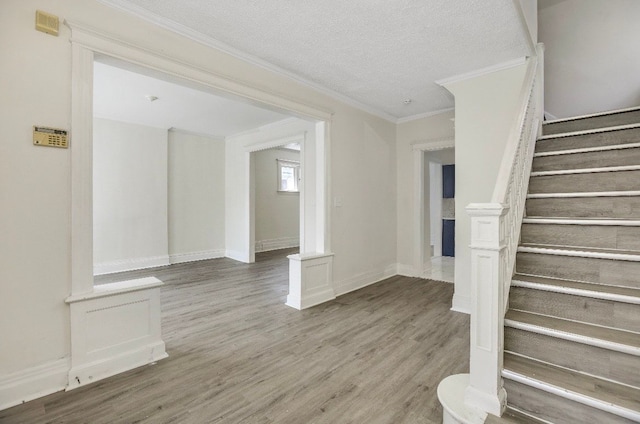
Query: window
{"points": [[288, 175]]}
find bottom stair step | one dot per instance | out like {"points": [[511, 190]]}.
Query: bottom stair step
{"points": [[560, 395], [512, 416]]}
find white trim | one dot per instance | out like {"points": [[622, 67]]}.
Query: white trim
{"points": [[276, 244], [197, 134], [580, 253], [424, 115], [110, 45], [584, 194], [571, 395], [179, 258], [594, 221], [549, 117], [451, 394], [587, 170], [364, 279], [88, 373], [32, 383], [237, 256], [113, 289], [461, 303], [482, 71], [592, 115], [130, 264], [434, 144], [591, 131], [587, 150], [208, 41], [576, 291], [407, 270]]}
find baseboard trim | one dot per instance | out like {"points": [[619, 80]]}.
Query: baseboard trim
{"points": [[364, 279], [276, 244], [179, 258], [237, 256], [130, 264], [34, 382], [98, 370], [461, 304], [407, 270]]}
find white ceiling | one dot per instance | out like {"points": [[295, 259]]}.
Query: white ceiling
{"points": [[374, 53], [121, 95]]}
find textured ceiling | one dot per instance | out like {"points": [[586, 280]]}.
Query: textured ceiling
{"points": [[376, 52], [121, 95]]}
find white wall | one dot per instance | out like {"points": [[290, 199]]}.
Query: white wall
{"points": [[129, 196], [486, 108], [277, 214], [35, 258], [530, 12], [592, 55], [196, 196], [432, 128]]}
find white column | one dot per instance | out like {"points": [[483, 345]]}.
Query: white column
{"points": [[485, 390]]}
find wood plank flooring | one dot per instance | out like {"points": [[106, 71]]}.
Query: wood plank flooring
{"points": [[237, 354]]}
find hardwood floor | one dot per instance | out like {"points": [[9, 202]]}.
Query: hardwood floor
{"points": [[237, 354]]}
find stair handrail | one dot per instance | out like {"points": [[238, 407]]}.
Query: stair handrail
{"points": [[495, 234]]}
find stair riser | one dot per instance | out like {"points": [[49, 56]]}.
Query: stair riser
{"points": [[580, 183], [602, 271], [612, 120], [585, 207], [601, 236], [600, 159], [554, 408], [609, 313], [608, 138], [592, 360]]}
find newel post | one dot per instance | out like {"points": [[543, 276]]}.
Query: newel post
{"points": [[488, 266]]}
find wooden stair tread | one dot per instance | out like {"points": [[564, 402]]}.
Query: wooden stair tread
{"points": [[512, 416], [594, 252], [623, 222], [602, 391], [626, 340], [584, 288]]}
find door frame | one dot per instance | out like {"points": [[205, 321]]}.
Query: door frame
{"points": [[418, 149]]}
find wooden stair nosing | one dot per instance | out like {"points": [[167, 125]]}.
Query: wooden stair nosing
{"points": [[575, 331], [620, 222], [589, 131], [579, 194], [594, 398], [591, 115], [578, 288], [574, 251], [617, 168]]}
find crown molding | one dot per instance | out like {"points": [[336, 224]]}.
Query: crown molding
{"points": [[423, 115], [482, 71], [208, 41]]}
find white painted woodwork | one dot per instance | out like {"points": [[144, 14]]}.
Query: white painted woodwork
{"points": [[113, 329], [495, 233], [450, 391], [310, 280]]}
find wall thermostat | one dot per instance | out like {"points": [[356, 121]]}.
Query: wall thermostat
{"points": [[52, 137]]}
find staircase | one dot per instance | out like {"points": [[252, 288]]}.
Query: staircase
{"points": [[572, 330]]}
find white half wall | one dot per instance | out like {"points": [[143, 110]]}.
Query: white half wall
{"points": [[196, 197], [129, 196], [486, 108], [277, 214]]}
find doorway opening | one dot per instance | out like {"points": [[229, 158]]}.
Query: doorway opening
{"points": [[434, 223]]}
